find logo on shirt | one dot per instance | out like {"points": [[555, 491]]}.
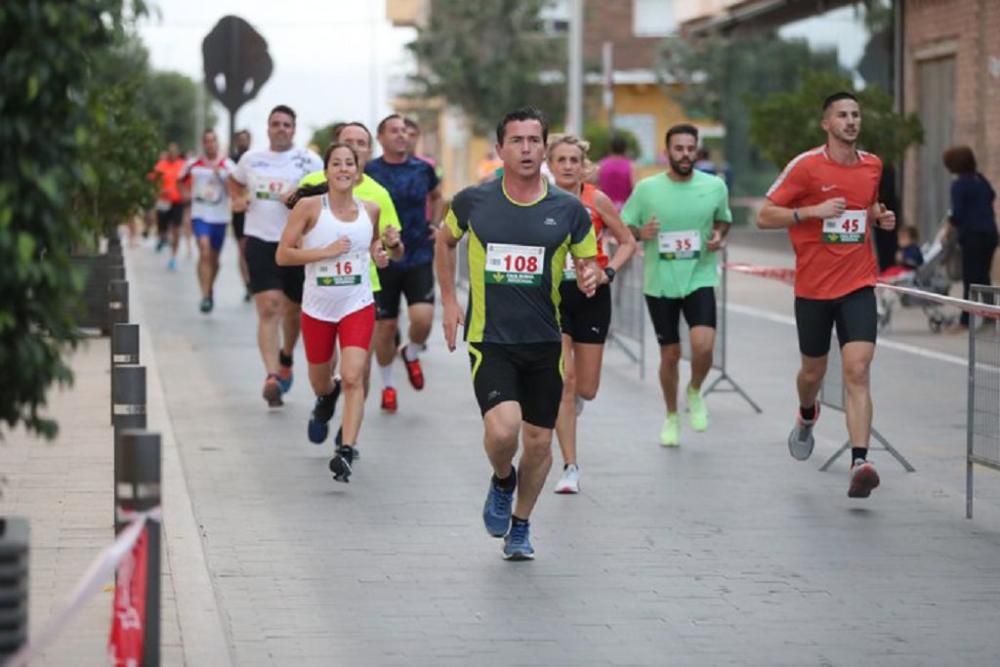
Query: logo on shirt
{"points": [[827, 188], [550, 222]]}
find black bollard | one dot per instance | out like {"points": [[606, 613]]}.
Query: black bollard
{"points": [[13, 584], [117, 302], [137, 489], [124, 351], [128, 405]]}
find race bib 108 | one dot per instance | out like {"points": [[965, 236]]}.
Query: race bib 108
{"points": [[680, 245], [848, 227], [514, 264]]}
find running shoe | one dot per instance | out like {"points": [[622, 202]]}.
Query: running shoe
{"points": [[517, 543], [319, 421], [285, 377], [389, 403], [580, 404], [670, 434], [340, 465], [801, 440], [172, 264], [570, 480], [697, 410], [413, 370], [272, 391], [207, 304], [864, 478], [498, 508]]}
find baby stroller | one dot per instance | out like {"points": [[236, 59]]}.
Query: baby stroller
{"points": [[932, 276]]}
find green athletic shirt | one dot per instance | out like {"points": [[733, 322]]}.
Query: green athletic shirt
{"points": [[516, 257], [675, 263], [369, 190]]}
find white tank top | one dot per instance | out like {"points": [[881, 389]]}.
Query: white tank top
{"points": [[337, 287]]}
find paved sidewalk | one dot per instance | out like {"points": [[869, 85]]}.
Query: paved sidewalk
{"points": [[725, 551]]}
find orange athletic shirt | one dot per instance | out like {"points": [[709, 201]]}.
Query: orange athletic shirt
{"points": [[169, 172], [587, 198], [826, 270]]}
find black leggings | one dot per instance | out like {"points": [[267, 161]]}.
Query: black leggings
{"points": [[977, 256]]}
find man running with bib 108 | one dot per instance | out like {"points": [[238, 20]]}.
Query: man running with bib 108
{"points": [[827, 198], [520, 230]]}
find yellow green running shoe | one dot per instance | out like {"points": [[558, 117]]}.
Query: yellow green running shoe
{"points": [[670, 434], [697, 410]]}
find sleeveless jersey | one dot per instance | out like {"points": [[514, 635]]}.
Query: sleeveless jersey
{"points": [[335, 288]]}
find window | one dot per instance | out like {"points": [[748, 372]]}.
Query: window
{"points": [[653, 18]]}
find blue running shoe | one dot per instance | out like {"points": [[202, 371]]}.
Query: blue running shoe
{"points": [[172, 264], [498, 508], [517, 545]]}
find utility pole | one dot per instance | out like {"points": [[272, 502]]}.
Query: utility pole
{"points": [[574, 107]]}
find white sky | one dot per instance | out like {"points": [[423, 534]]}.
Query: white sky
{"points": [[333, 59]]}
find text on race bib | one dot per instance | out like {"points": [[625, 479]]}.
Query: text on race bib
{"points": [[680, 245], [569, 268], [266, 189], [514, 264], [848, 227], [346, 270], [208, 191]]}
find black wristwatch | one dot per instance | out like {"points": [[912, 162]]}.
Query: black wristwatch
{"points": [[610, 273]]}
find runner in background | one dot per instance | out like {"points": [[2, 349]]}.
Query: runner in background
{"points": [[616, 174], [827, 199], [584, 321], [170, 202], [682, 217], [205, 180], [241, 144]]}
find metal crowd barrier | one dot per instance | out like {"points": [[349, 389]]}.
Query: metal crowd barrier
{"points": [[628, 311], [833, 394], [983, 416]]}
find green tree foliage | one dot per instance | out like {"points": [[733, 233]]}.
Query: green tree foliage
{"points": [[784, 124], [488, 58], [171, 99], [599, 138], [720, 76], [44, 103], [323, 137]]}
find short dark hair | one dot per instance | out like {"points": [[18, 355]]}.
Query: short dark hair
{"points": [[381, 123], [618, 145], [340, 127], [960, 160], [282, 108], [683, 128], [836, 97], [524, 113], [409, 122]]}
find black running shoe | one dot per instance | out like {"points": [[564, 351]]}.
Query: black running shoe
{"points": [[340, 465]]}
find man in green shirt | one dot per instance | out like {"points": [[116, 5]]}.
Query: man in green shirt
{"points": [[682, 217]]}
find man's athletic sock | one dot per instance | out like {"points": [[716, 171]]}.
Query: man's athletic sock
{"points": [[508, 483], [387, 380], [517, 521], [285, 359], [411, 352], [859, 453], [809, 413]]}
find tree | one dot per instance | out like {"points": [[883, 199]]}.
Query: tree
{"points": [[599, 138], [46, 88], [782, 125], [323, 137], [721, 75], [488, 58], [172, 100]]}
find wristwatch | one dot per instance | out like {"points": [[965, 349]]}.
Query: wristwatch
{"points": [[610, 273]]}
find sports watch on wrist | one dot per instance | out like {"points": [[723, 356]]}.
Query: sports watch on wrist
{"points": [[610, 273]]}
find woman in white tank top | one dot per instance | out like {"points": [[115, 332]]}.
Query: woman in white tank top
{"points": [[331, 233]]}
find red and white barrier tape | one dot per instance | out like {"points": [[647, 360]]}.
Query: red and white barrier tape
{"points": [[100, 571], [787, 275]]}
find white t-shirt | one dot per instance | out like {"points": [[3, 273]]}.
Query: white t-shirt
{"points": [[209, 197], [268, 175]]}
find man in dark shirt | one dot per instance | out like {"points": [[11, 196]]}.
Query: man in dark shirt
{"points": [[410, 182]]}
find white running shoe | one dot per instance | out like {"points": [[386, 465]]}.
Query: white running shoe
{"points": [[570, 480]]}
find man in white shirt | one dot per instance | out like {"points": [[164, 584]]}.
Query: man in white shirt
{"points": [[261, 184], [204, 178]]}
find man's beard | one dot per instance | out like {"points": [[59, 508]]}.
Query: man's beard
{"points": [[680, 168]]}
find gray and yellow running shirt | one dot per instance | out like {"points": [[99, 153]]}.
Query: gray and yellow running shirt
{"points": [[516, 258]]}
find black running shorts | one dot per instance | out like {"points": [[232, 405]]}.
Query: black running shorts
{"points": [[855, 315], [416, 282], [529, 373], [582, 319], [238, 221], [698, 308], [265, 274]]}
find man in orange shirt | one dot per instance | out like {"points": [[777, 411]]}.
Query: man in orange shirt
{"points": [[170, 203], [827, 198]]}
